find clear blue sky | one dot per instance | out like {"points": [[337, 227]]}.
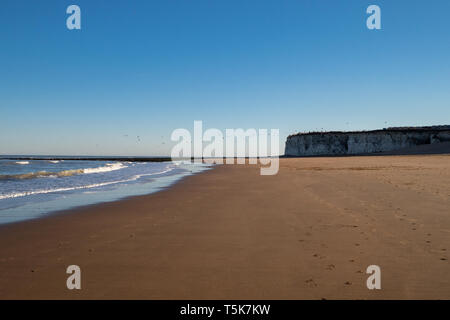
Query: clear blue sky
{"points": [[145, 68]]}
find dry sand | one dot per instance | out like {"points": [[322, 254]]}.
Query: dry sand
{"points": [[308, 232]]}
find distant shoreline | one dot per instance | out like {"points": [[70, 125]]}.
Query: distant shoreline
{"points": [[87, 158]]}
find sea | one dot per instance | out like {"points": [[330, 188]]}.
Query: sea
{"points": [[30, 189]]}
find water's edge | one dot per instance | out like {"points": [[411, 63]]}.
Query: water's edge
{"points": [[75, 202]]}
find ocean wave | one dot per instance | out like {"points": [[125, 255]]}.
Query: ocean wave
{"points": [[64, 173], [107, 168], [90, 186], [22, 162]]}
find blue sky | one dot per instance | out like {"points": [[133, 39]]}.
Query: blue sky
{"points": [[145, 68]]}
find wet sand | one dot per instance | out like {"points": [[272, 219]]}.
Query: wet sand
{"points": [[308, 232]]}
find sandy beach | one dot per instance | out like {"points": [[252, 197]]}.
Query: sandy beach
{"points": [[308, 232]]}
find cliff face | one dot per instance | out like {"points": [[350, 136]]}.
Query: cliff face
{"points": [[342, 143]]}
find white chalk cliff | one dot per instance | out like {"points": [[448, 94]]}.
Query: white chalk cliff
{"points": [[363, 142]]}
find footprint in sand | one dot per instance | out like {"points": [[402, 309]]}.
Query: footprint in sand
{"points": [[330, 267], [348, 283], [311, 283]]}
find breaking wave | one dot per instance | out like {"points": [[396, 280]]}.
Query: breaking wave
{"points": [[64, 173], [95, 185]]}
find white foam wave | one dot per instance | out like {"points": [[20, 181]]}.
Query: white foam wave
{"points": [[107, 168], [90, 186], [22, 162], [65, 173]]}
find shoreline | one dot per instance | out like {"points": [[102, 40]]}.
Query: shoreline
{"points": [[56, 195], [308, 232], [93, 206]]}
